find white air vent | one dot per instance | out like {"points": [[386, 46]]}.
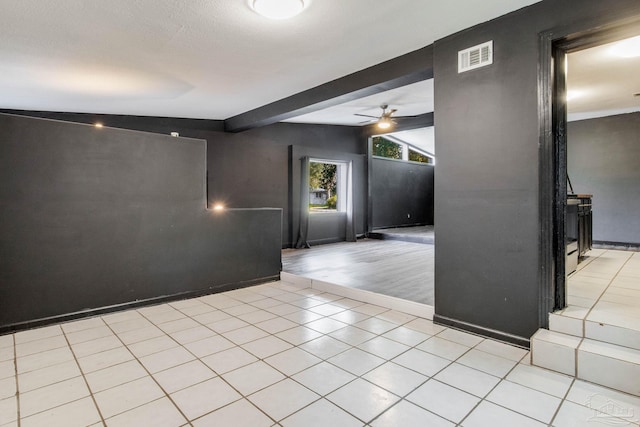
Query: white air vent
{"points": [[475, 57]]}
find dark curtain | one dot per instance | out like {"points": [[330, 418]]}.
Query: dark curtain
{"points": [[351, 230], [304, 206]]}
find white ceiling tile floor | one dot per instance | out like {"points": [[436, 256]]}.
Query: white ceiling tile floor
{"points": [[391, 372]]}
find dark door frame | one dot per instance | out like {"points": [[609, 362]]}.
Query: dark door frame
{"points": [[554, 45]]}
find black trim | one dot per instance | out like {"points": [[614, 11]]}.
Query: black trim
{"points": [[559, 123], [546, 272], [36, 323], [482, 331], [553, 46], [368, 226]]}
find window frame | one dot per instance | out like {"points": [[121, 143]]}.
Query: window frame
{"points": [[405, 150], [341, 185]]}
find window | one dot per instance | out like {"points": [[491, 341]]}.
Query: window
{"points": [[416, 156], [393, 148], [327, 186], [382, 147]]}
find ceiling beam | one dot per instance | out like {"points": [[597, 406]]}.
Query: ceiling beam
{"points": [[401, 71]]}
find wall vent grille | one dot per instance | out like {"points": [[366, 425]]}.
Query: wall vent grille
{"points": [[475, 57]]}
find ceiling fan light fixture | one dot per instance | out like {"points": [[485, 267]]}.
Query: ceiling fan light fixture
{"points": [[384, 123], [278, 9]]}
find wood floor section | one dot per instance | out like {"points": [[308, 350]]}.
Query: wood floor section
{"points": [[419, 234], [389, 267]]}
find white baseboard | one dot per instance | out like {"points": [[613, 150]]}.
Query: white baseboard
{"points": [[392, 303]]}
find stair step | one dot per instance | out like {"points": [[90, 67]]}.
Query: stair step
{"points": [[610, 365], [603, 363], [569, 320], [566, 325], [555, 351], [605, 326], [612, 332]]}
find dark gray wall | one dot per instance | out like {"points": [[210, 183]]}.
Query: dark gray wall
{"points": [[245, 170], [603, 160], [253, 168], [91, 218], [401, 193], [327, 227], [486, 184]]}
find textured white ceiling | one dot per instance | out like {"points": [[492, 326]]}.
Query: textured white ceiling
{"points": [[602, 83], [204, 58], [410, 100]]}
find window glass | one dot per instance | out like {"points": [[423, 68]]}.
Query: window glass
{"points": [[383, 147], [416, 156], [323, 187]]}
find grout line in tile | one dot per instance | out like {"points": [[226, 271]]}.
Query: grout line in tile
{"points": [[15, 372], [584, 321], [482, 399], [148, 374], [563, 399], [84, 378], [219, 375], [349, 347]]}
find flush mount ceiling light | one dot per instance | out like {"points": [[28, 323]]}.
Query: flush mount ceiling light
{"points": [[278, 9], [628, 48]]}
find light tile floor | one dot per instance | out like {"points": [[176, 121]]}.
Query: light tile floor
{"points": [[618, 301], [279, 355]]}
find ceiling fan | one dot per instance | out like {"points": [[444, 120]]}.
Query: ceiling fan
{"points": [[384, 121]]}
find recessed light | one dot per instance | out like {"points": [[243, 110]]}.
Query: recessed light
{"points": [[628, 48], [98, 125], [278, 9], [218, 207]]}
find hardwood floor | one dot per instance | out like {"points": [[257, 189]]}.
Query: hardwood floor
{"points": [[419, 234], [389, 267]]}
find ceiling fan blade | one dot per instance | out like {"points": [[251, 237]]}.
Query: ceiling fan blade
{"points": [[365, 115], [406, 117], [367, 121]]}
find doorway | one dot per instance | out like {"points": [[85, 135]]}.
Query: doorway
{"points": [[399, 190], [555, 47]]}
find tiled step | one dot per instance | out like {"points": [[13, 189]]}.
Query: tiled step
{"points": [[597, 324], [569, 321], [610, 365], [602, 363], [555, 351], [603, 324]]}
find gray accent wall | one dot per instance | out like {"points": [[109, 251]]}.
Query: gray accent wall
{"points": [[604, 160], [95, 218], [251, 169], [401, 193], [254, 168], [487, 270]]}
